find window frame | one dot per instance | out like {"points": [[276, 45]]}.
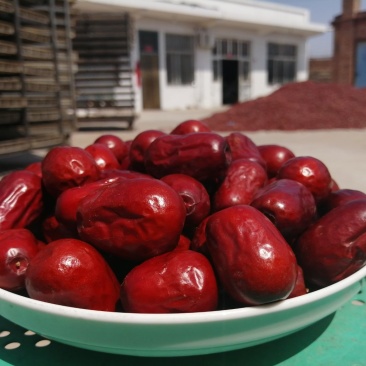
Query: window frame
{"points": [[226, 48], [281, 63], [180, 61]]}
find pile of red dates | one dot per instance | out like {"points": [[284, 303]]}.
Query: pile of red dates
{"points": [[186, 221]]}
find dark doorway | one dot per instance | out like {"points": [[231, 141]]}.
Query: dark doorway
{"points": [[230, 81], [149, 63]]}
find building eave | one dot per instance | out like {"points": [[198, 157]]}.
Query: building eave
{"points": [[206, 14]]}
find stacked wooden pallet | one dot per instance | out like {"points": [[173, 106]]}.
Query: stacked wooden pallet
{"points": [[12, 100], [104, 79], [36, 62], [62, 33]]}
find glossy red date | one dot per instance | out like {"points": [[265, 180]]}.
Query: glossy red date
{"points": [[334, 247], [21, 199], [175, 282], [253, 261], [134, 219], [201, 155], [243, 179]]}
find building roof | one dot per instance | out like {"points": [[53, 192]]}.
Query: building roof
{"points": [[250, 14]]}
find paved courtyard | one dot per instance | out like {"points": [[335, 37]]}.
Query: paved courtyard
{"points": [[343, 150]]}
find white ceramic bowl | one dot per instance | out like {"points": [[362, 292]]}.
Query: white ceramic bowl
{"points": [[177, 334]]}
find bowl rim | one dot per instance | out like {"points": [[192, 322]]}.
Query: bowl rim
{"points": [[180, 318]]}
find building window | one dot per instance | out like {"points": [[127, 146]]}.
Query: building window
{"points": [[180, 59], [226, 49], [244, 70], [281, 63]]}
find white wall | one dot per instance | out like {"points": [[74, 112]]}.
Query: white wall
{"points": [[260, 87], [204, 92], [173, 96]]}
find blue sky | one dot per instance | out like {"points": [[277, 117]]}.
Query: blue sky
{"points": [[321, 11]]}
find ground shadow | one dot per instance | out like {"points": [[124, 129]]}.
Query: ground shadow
{"points": [[17, 161], [103, 128]]}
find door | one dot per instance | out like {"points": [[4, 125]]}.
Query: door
{"points": [[149, 67], [360, 79], [244, 81], [230, 81]]}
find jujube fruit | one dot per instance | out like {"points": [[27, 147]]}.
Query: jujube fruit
{"points": [[71, 272]]}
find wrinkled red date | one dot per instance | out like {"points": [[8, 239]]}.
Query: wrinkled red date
{"points": [[127, 174], [339, 197], [194, 195], [289, 205], [115, 144], [67, 202], [103, 156], [275, 156], [65, 167], [17, 248], [309, 171], [300, 285], [253, 261], [139, 146], [243, 147], [21, 199], [242, 181], [190, 126], [174, 282], [184, 243], [198, 242], [35, 167], [135, 219], [72, 273], [334, 247], [201, 155], [53, 230]]}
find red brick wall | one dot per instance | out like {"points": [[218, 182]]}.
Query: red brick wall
{"points": [[321, 69], [344, 52], [350, 7], [349, 28]]}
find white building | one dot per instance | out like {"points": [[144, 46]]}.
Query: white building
{"points": [[207, 53]]}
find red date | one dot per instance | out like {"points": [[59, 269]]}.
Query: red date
{"points": [[309, 171], [190, 126], [67, 202], [203, 156], [274, 156], [242, 147], [242, 181], [115, 144], [17, 248], [134, 219], [175, 282], [72, 273], [289, 205], [21, 199], [339, 197], [194, 196], [253, 261], [138, 148], [103, 156], [334, 247], [65, 167]]}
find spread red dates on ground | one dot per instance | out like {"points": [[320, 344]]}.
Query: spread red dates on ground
{"points": [[185, 221]]}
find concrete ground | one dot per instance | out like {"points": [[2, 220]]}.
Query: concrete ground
{"points": [[342, 150]]}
